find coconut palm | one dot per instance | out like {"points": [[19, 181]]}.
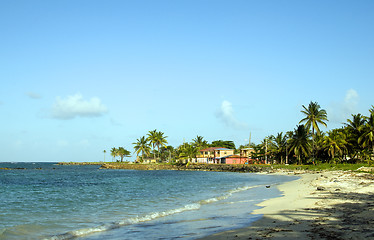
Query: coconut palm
{"points": [[199, 142], [367, 137], [300, 143], [354, 129], [278, 144], [123, 153], [113, 152], [152, 139], [160, 141], [104, 154], [167, 153], [320, 151], [142, 146], [188, 151], [335, 143], [267, 145], [313, 117], [258, 152], [288, 136]]}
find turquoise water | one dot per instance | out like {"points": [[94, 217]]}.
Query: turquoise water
{"points": [[47, 201]]}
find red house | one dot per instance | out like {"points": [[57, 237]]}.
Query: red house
{"points": [[236, 159]]}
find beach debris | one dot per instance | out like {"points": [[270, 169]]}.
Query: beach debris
{"points": [[366, 169], [267, 186]]}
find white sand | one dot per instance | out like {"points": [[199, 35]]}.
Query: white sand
{"points": [[343, 208]]}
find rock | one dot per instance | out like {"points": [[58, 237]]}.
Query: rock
{"points": [[319, 188]]}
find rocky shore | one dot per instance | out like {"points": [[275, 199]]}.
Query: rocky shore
{"points": [[190, 167]]}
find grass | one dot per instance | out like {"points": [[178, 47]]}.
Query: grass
{"points": [[323, 166]]}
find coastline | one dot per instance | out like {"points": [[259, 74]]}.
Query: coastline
{"points": [[320, 205]]}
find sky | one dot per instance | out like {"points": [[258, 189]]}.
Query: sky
{"points": [[79, 77]]}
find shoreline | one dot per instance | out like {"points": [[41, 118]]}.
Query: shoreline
{"points": [[320, 205]]}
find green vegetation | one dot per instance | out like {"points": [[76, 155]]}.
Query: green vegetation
{"points": [[121, 152], [322, 166], [142, 146], [307, 145]]}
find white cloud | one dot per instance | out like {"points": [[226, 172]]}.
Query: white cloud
{"points": [[351, 101], [75, 106], [341, 111], [226, 114]]}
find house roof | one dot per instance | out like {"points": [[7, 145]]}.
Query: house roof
{"points": [[214, 148], [233, 156], [236, 156]]}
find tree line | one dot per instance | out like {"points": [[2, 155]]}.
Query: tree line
{"points": [[154, 146], [306, 144]]}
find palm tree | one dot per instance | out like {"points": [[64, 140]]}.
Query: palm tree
{"points": [[142, 146], [152, 139], [188, 151], [123, 153], [335, 143], [258, 152], [288, 136], [320, 151], [278, 144], [300, 143], [367, 137], [354, 129], [314, 116], [104, 154], [167, 153], [356, 123], [199, 142], [160, 141], [113, 152], [266, 145]]}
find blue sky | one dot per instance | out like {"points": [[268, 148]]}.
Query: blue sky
{"points": [[78, 77]]}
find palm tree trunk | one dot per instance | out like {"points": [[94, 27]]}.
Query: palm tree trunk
{"points": [[158, 152], [154, 153], [286, 155], [313, 144]]}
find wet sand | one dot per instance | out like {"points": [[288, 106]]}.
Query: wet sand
{"points": [[320, 205]]}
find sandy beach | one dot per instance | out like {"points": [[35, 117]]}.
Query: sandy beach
{"points": [[319, 205]]}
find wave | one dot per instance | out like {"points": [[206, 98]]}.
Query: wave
{"points": [[148, 217], [129, 221]]}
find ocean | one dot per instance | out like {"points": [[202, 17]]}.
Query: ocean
{"points": [[50, 201]]}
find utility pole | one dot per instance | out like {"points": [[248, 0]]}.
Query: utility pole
{"points": [[249, 144]]}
